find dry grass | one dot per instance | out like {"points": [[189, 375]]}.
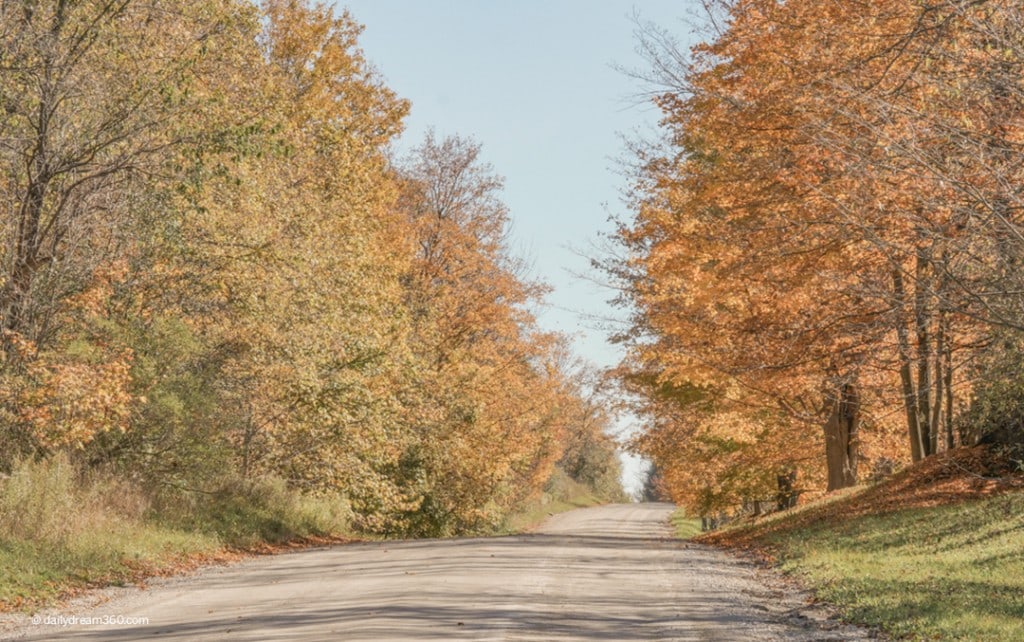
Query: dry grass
{"points": [[62, 532], [561, 494]]}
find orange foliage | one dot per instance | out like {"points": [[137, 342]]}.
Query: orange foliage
{"points": [[70, 403], [802, 230]]}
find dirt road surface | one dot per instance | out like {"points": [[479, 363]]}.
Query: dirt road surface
{"points": [[606, 573]]}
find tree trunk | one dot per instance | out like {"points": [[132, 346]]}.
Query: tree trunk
{"points": [[947, 355], [906, 374], [841, 438], [787, 494], [925, 376], [939, 371]]}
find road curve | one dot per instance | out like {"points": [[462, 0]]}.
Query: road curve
{"points": [[605, 573]]}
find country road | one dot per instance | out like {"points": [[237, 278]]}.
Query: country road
{"points": [[606, 573]]}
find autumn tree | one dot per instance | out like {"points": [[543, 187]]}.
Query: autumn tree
{"points": [[94, 94], [486, 401], [590, 455], [293, 217], [802, 245], [217, 283], [737, 273]]}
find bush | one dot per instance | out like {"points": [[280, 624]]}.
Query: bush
{"points": [[592, 460], [49, 502], [996, 413], [246, 512], [60, 527]]}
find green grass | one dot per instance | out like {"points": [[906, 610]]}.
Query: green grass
{"points": [[953, 572], [684, 527]]}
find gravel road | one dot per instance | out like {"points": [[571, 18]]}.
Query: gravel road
{"points": [[605, 573]]}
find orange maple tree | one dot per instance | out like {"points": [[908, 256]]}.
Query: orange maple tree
{"points": [[792, 254]]}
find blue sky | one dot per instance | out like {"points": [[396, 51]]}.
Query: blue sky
{"points": [[533, 82]]}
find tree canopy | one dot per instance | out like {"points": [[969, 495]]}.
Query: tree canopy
{"points": [[823, 236], [214, 269]]}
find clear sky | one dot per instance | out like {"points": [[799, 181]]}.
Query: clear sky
{"points": [[533, 82]]}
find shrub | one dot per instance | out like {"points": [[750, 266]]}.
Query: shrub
{"points": [[245, 512]]}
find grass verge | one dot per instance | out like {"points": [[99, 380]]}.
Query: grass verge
{"points": [[561, 494], [62, 532], [924, 556], [683, 526]]}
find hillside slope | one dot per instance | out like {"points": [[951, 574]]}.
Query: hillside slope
{"points": [[935, 552]]}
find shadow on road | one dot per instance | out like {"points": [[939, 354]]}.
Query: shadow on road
{"points": [[620, 584]]}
